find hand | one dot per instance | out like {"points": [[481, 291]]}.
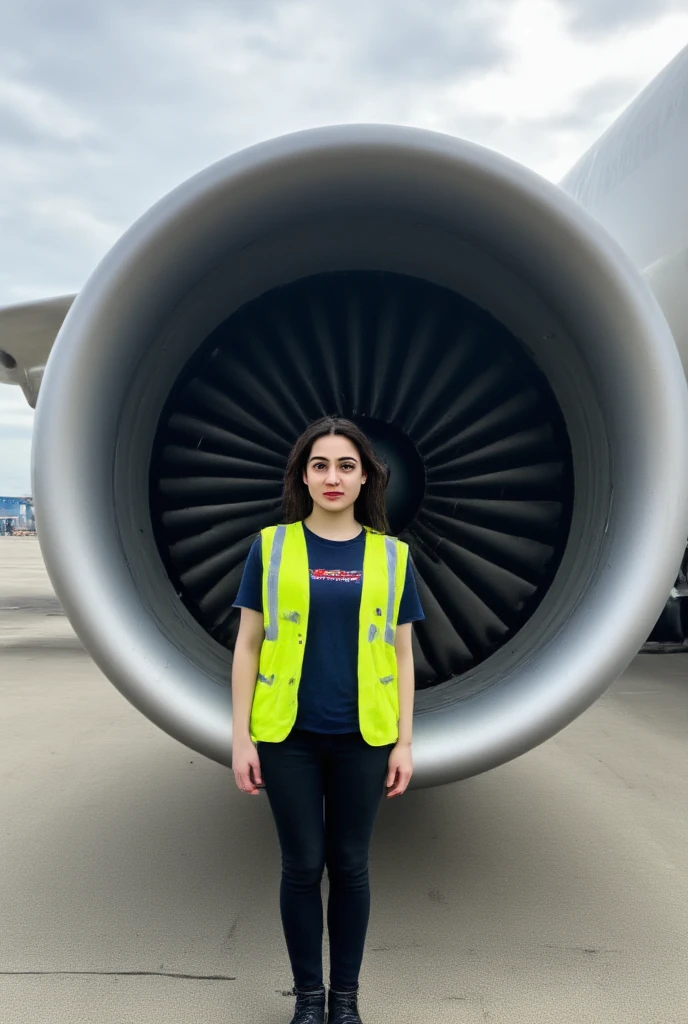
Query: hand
{"points": [[245, 761], [399, 768]]}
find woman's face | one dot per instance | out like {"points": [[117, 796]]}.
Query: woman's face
{"points": [[334, 464]]}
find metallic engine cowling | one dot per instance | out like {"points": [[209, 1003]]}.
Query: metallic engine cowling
{"points": [[504, 355]]}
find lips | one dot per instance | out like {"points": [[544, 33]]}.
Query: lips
{"points": [[333, 494]]}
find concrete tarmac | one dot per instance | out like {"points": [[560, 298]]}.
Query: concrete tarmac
{"points": [[139, 885]]}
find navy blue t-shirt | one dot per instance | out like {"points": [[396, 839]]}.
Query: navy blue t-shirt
{"points": [[328, 690]]}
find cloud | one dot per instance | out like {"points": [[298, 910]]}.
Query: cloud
{"points": [[590, 109], [594, 17], [409, 46], [559, 91], [16, 426], [14, 413], [39, 114], [104, 108], [15, 480]]}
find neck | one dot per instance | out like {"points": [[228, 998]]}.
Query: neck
{"points": [[333, 525]]}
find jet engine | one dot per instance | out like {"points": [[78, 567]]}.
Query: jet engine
{"points": [[506, 359]]}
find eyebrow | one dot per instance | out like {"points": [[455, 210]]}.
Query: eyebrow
{"points": [[342, 458]]}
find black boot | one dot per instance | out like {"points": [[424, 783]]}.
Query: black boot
{"points": [[310, 1006], [342, 1007]]}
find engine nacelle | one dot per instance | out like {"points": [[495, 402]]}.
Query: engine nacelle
{"points": [[501, 352]]}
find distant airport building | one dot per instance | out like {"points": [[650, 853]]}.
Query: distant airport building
{"points": [[16, 516]]}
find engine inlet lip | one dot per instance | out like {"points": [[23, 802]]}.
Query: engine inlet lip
{"points": [[179, 241]]}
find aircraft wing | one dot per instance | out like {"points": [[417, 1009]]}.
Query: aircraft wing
{"points": [[27, 333]]}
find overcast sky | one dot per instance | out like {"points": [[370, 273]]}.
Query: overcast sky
{"points": [[105, 107]]}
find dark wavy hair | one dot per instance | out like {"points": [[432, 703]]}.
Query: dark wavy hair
{"points": [[369, 507]]}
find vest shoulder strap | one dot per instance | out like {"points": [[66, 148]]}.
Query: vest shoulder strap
{"points": [[401, 544]]}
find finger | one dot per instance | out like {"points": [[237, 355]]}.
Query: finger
{"points": [[399, 789], [246, 783]]}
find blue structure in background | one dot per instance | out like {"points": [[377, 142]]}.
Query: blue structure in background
{"points": [[16, 514]]}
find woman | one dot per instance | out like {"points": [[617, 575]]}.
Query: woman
{"points": [[349, 731]]}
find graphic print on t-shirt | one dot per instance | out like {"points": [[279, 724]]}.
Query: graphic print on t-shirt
{"points": [[337, 575]]}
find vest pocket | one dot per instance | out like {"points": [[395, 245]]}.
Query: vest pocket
{"points": [[268, 667], [388, 698], [384, 661]]}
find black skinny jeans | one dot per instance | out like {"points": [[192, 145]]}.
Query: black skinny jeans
{"points": [[349, 775]]}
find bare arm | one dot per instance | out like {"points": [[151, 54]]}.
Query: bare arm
{"points": [[245, 670], [400, 764], [406, 681], [245, 761]]}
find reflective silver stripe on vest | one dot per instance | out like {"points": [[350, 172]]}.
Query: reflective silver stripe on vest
{"points": [[391, 547], [273, 578]]}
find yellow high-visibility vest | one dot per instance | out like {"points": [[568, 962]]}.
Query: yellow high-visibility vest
{"points": [[286, 601]]}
